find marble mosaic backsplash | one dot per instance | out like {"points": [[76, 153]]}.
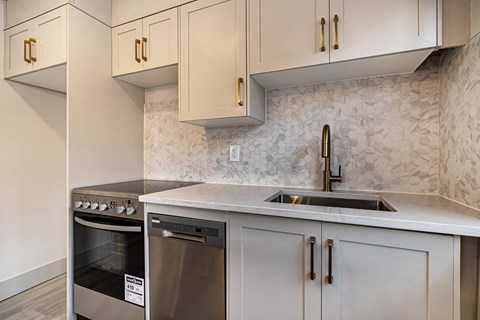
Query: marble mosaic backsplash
{"points": [[385, 134], [460, 124]]}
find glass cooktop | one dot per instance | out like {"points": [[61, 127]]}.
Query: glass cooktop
{"points": [[133, 189]]}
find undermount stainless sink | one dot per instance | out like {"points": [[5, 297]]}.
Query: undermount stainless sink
{"points": [[368, 202]]}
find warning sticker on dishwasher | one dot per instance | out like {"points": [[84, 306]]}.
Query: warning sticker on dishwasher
{"points": [[134, 290]]}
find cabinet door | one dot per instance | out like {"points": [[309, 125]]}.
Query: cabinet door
{"points": [[270, 269], [50, 32], [287, 34], [160, 40], [212, 59], [16, 50], [126, 48], [376, 27], [386, 274]]}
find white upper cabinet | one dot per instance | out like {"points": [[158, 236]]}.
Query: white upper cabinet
{"points": [[17, 54], [213, 63], [376, 27], [50, 31], [36, 44], [126, 47], [389, 36], [160, 34], [36, 50], [147, 45], [288, 34]]}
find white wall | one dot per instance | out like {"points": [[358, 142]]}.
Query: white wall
{"points": [[32, 178]]}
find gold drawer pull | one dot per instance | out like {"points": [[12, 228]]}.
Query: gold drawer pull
{"points": [[25, 43], [137, 42], [239, 92], [335, 21], [32, 40], [322, 45], [330, 261], [144, 48], [313, 274]]}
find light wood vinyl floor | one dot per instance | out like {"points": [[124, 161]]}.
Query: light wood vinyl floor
{"points": [[46, 301]]}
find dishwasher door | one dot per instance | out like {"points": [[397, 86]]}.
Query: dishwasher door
{"points": [[187, 268]]}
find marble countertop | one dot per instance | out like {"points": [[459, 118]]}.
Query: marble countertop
{"points": [[427, 213]]}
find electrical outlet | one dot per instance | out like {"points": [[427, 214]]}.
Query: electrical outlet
{"points": [[234, 153]]}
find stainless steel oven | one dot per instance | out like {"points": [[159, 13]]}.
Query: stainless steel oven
{"points": [[109, 249], [108, 258]]}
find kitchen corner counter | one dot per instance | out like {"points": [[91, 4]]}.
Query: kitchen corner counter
{"points": [[426, 213]]}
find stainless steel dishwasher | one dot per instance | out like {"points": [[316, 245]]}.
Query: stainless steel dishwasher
{"points": [[187, 268]]}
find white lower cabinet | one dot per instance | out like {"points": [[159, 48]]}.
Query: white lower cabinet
{"points": [[270, 269], [380, 274], [375, 273]]}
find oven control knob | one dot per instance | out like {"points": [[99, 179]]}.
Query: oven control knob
{"points": [[121, 209], [103, 207], [86, 205], [78, 204], [94, 206], [130, 211]]}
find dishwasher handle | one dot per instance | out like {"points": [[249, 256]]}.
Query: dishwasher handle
{"points": [[182, 236]]}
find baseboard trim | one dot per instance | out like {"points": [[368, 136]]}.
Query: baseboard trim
{"points": [[32, 278]]}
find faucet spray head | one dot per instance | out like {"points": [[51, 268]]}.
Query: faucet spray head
{"points": [[326, 141]]}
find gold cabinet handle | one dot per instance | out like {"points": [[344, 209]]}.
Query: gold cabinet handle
{"points": [[144, 48], [330, 261], [322, 44], [313, 274], [239, 93], [25, 43], [335, 21], [137, 42], [32, 40]]}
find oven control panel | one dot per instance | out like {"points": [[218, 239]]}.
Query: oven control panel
{"points": [[108, 206]]}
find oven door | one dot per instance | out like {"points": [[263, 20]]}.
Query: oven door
{"points": [[107, 251]]}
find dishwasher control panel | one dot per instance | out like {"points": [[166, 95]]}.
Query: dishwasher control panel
{"points": [[185, 228], [179, 228]]}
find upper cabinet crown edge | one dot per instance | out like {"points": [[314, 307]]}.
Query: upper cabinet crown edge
{"points": [[19, 11]]}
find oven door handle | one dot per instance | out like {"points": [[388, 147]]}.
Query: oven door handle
{"points": [[107, 227]]}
